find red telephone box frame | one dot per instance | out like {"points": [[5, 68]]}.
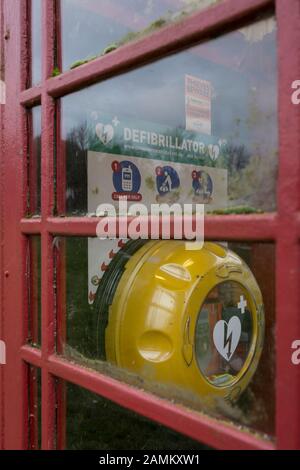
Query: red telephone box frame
{"points": [[282, 227]]}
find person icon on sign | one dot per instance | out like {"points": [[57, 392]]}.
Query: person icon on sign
{"points": [[166, 187]]}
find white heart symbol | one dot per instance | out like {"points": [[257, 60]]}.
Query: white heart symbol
{"points": [[226, 337], [105, 133], [214, 151]]}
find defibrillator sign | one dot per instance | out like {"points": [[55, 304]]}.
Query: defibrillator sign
{"points": [[154, 164], [155, 141]]}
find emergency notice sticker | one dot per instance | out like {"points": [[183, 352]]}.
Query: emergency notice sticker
{"points": [[198, 104], [114, 178]]}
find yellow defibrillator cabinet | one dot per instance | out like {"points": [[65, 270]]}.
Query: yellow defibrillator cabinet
{"points": [[190, 318]]}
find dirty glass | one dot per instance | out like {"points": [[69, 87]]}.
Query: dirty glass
{"points": [[195, 327], [33, 269], [35, 126], [94, 423], [91, 28], [34, 408], [36, 42], [189, 128]]}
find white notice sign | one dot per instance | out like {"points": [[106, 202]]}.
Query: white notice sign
{"points": [[198, 105]]}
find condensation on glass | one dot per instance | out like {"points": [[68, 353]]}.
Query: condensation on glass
{"points": [[91, 28], [94, 423], [189, 128], [33, 270], [189, 326], [36, 42], [34, 169], [34, 408]]}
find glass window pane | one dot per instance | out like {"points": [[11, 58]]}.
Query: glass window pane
{"points": [[90, 28], [34, 408], [34, 290], [36, 42], [189, 128], [195, 327], [94, 423], [35, 117]]}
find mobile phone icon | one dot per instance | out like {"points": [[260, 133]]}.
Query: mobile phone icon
{"points": [[127, 182]]}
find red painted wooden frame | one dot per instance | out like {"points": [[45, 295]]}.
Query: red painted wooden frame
{"points": [[2, 77], [283, 228]]}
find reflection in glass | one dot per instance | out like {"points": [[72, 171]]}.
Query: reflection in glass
{"points": [[94, 423], [35, 161], [36, 42], [190, 127], [89, 27]]}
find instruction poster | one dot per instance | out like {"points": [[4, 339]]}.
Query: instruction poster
{"points": [[150, 181], [152, 164]]}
